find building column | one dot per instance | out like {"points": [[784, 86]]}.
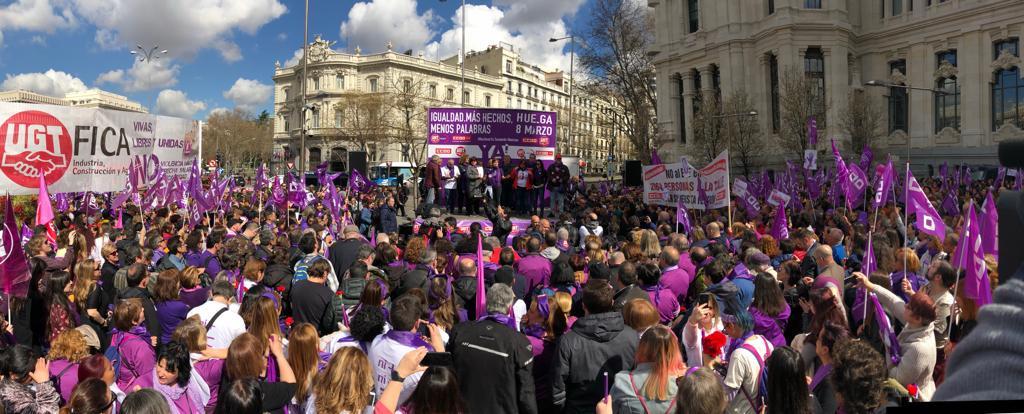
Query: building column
{"points": [[688, 95], [706, 82], [675, 109], [974, 65], [920, 68], [837, 85]]}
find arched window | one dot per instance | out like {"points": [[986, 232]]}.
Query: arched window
{"points": [[947, 104], [1007, 90], [899, 107], [314, 156]]}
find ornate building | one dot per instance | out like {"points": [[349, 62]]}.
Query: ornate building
{"points": [[92, 98], [970, 50], [360, 102]]}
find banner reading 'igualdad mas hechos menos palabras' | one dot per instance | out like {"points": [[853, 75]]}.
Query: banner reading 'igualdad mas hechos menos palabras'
{"points": [[87, 149]]}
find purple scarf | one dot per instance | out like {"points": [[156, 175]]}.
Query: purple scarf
{"points": [[820, 375], [502, 319], [409, 339]]}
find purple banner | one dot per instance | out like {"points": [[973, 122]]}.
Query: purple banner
{"points": [[491, 133]]}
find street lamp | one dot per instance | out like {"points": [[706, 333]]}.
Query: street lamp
{"points": [[739, 114], [572, 55], [462, 54], [148, 55]]}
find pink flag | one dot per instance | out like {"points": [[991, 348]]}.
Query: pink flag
{"points": [[812, 132], [990, 226], [14, 272], [44, 212], [481, 295], [970, 257], [928, 219], [682, 218], [119, 224]]}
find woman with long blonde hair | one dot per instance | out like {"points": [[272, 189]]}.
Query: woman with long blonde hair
{"points": [[344, 386], [304, 357], [650, 387]]}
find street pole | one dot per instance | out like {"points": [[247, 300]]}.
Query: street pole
{"points": [[572, 55], [302, 109], [463, 53]]}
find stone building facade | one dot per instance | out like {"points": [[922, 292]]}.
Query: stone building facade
{"points": [[969, 49]]}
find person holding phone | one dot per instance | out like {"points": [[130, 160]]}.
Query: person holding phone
{"points": [[493, 362]]}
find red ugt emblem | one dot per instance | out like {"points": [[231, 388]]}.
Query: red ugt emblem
{"points": [[34, 143]]}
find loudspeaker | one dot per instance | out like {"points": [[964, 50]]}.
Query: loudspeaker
{"points": [[632, 174], [357, 161]]}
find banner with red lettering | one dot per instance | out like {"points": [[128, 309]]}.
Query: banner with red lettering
{"points": [[665, 184], [89, 149]]}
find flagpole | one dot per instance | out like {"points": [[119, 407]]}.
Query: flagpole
{"points": [[959, 267]]}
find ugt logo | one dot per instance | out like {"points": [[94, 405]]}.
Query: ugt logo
{"points": [[34, 143]]}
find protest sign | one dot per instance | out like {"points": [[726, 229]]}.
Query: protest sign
{"points": [[778, 198], [491, 133], [79, 149], [665, 184]]}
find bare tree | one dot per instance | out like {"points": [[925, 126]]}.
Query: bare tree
{"points": [[238, 138], [614, 53], [707, 128], [407, 106], [862, 121], [800, 99], [364, 120], [742, 132]]}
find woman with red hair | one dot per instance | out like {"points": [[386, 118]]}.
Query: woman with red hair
{"points": [[651, 386]]}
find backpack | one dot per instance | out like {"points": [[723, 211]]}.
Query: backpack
{"points": [[757, 400], [113, 354], [302, 269], [205, 278]]}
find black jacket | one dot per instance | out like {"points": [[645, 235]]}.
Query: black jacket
{"points": [[596, 344], [464, 288], [343, 253], [494, 365], [148, 309], [417, 278], [627, 294], [388, 219]]}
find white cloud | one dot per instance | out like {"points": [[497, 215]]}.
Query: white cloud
{"points": [[183, 27], [143, 76], [282, 36], [51, 83], [38, 40], [37, 15], [217, 110], [371, 25], [295, 59], [489, 25], [522, 13], [249, 94], [171, 102]]}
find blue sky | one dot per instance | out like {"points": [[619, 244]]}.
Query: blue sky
{"points": [[222, 52]]}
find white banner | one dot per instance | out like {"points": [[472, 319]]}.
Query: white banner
{"points": [[811, 160], [86, 149], [778, 198], [665, 184]]}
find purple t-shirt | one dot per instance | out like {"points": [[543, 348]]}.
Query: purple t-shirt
{"points": [[170, 313], [67, 374]]}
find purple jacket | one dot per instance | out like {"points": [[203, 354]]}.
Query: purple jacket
{"points": [[170, 313], [211, 370], [664, 300], [536, 268], [771, 328], [67, 374], [677, 280], [687, 265], [137, 359]]}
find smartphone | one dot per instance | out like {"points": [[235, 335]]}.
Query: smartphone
{"points": [[433, 359], [704, 298]]}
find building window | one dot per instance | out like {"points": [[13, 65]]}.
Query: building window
{"points": [[509, 86], [338, 113], [693, 12], [449, 94], [947, 106], [520, 88], [812, 4], [897, 7], [682, 109], [1010, 46], [814, 69], [287, 125], [487, 101], [881, 4], [697, 92], [339, 81], [432, 90], [508, 103], [519, 103], [373, 85], [771, 7], [1007, 91], [483, 69], [508, 66], [316, 118], [773, 77], [287, 93], [899, 108], [406, 85], [465, 97], [316, 83]]}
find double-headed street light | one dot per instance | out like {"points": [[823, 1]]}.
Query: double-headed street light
{"points": [[572, 56], [148, 55]]}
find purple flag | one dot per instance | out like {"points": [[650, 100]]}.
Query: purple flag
{"points": [[856, 181], [655, 159], [1018, 180], [928, 219], [949, 205], [970, 256], [14, 273], [944, 171], [481, 295], [869, 265], [884, 186], [892, 344], [841, 170], [26, 234], [812, 133], [780, 226], [990, 226], [359, 183], [999, 178], [682, 217], [702, 196], [865, 158]]}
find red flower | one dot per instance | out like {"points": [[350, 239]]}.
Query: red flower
{"points": [[912, 390], [280, 289], [340, 293], [288, 321]]}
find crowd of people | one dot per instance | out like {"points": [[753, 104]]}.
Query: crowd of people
{"points": [[605, 306]]}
